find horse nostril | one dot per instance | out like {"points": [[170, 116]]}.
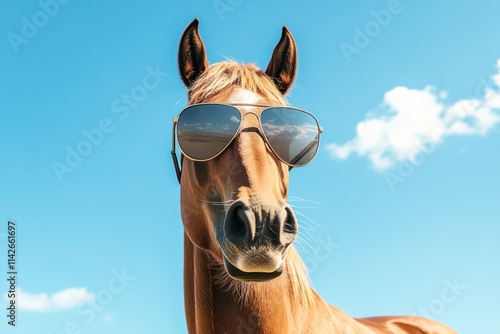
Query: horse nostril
{"points": [[290, 227], [238, 224]]}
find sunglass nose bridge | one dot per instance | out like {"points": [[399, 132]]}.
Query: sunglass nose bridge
{"points": [[251, 113], [257, 126]]}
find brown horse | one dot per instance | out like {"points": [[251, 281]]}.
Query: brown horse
{"points": [[241, 271]]}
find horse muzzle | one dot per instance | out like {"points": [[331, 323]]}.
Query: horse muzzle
{"points": [[257, 239]]}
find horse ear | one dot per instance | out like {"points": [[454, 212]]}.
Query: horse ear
{"points": [[192, 57], [283, 64]]}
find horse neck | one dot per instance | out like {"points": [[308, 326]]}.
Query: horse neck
{"points": [[215, 303]]}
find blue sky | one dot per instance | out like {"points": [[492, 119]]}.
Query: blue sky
{"points": [[387, 227]]}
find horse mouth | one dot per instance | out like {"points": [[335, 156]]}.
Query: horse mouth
{"points": [[251, 276]]}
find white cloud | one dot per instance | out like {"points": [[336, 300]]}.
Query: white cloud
{"points": [[30, 302], [496, 77], [65, 299], [408, 119], [71, 297]]}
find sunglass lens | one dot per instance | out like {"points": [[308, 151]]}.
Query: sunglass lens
{"points": [[203, 131], [292, 134]]}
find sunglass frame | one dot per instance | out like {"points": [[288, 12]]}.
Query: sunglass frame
{"points": [[178, 169]]}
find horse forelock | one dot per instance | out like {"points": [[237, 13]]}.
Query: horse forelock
{"points": [[224, 76]]}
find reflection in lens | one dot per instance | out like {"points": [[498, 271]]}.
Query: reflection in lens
{"points": [[203, 131], [292, 134]]}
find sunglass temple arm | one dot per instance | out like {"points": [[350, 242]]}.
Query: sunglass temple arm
{"points": [[174, 156]]}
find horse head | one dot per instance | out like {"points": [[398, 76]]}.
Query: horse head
{"points": [[234, 200]]}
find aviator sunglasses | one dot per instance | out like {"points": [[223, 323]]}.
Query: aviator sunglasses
{"points": [[205, 130]]}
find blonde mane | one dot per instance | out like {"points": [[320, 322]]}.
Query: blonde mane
{"points": [[227, 75]]}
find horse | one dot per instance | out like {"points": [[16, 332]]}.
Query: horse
{"points": [[242, 273]]}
